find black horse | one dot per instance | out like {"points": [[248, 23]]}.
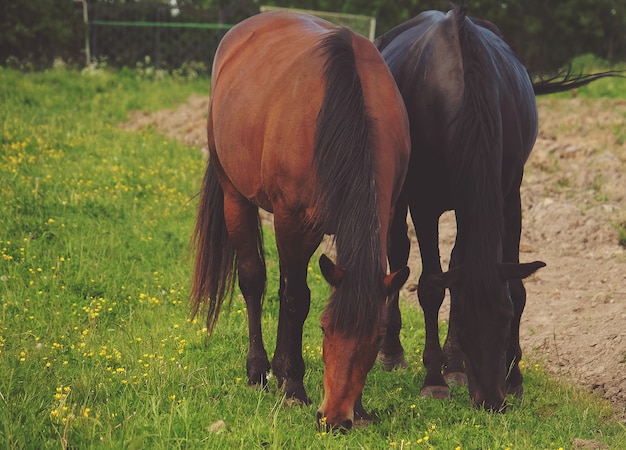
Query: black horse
{"points": [[473, 118]]}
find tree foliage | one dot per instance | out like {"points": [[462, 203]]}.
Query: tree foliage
{"points": [[37, 31], [545, 34]]}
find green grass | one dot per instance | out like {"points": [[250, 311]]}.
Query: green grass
{"points": [[96, 345]]}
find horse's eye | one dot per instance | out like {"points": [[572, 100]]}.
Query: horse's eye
{"points": [[378, 340], [323, 330]]}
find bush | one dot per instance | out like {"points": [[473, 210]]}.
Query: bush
{"points": [[36, 32]]}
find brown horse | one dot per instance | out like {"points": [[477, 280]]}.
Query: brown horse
{"points": [[305, 121]]}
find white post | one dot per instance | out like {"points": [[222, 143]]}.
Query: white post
{"points": [[372, 29], [86, 21]]}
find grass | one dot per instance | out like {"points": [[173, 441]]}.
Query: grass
{"points": [[96, 345]]}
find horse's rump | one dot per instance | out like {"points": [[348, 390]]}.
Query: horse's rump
{"points": [[272, 77], [268, 88]]}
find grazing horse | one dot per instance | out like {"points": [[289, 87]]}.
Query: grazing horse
{"points": [[305, 121], [473, 122]]}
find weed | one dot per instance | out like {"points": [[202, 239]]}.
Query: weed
{"points": [[621, 231]]}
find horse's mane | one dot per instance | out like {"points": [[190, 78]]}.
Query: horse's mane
{"points": [[475, 159], [346, 188]]}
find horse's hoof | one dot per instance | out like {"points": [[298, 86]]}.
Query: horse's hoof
{"points": [[516, 391], [439, 392], [259, 383], [361, 417], [456, 379], [361, 423], [295, 394], [258, 370], [361, 414], [291, 402], [392, 362]]}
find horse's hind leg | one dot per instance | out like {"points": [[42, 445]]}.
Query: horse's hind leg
{"points": [[295, 248], [242, 221], [391, 353], [430, 298], [454, 369], [513, 223]]}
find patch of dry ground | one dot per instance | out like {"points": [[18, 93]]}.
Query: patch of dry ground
{"points": [[574, 198]]}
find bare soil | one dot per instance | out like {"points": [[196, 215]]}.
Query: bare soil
{"points": [[574, 201]]}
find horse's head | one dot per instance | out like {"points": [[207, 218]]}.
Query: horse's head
{"points": [[484, 330], [349, 357]]}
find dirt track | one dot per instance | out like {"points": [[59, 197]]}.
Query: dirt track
{"points": [[574, 198]]}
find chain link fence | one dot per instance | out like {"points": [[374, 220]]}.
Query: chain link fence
{"points": [[154, 34], [158, 35]]}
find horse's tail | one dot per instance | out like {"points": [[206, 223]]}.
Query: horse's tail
{"points": [[474, 157], [346, 190], [214, 270], [566, 81]]}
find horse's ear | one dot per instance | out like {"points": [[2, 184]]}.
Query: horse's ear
{"points": [[395, 281], [332, 272], [445, 279], [513, 271]]}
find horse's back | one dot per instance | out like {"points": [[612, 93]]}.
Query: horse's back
{"points": [[424, 57], [427, 60], [403, 43], [266, 93], [261, 33], [268, 87]]}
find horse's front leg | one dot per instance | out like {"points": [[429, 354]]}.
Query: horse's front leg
{"points": [[391, 353], [513, 224]]}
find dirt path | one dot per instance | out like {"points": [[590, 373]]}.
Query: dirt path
{"points": [[574, 197]]}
